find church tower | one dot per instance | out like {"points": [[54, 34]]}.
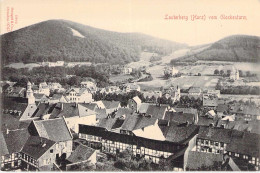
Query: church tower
{"points": [[29, 94]]}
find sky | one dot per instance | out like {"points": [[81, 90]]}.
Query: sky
{"points": [[145, 16]]}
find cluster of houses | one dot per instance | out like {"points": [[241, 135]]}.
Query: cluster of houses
{"points": [[43, 135]]}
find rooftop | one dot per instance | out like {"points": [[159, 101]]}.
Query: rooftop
{"points": [[36, 146], [53, 129], [81, 153]]}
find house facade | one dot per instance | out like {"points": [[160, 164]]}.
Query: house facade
{"points": [[79, 95]]}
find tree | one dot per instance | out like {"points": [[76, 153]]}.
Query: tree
{"points": [[216, 72], [228, 72], [221, 72]]}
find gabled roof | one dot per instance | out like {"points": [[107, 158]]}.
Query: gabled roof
{"points": [[157, 111], [56, 97], [246, 143], [215, 134], [39, 96], [222, 108], [179, 117], [137, 100], [251, 126], [135, 122], [36, 146], [111, 104], [245, 109], [15, 139], [14, 103], [205, 121], [91, 106], [101, 113], [143, 108], [12, 122], [79, 91], [186, 110], [81, 153], [179, 133], [53, 129], [123, 111], [3, 145], [106, 123]]}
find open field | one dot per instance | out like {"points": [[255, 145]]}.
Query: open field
{"points": [[22, 65], [120, 78]]}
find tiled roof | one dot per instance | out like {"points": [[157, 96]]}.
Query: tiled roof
{"points": [[245, 109], [143, 108], [222, 108], [36, 146], [43, 108], [53, 129], [137, 100], [12, 122], [80, 154], [179, 133], [56, 96], [14, 103], [3, 145], [196, 160], [16, 91], [79, 91], [91, 106], [123, 111], [179, 117], [251, 126], [246, 143], [157, 111], [215, 134], [186, 110], [16, 139], [101, 113], [205, 121], [38, 96], [136, 121], [106, 123], [111, 104]]}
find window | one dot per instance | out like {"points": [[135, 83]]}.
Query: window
{"points": [[237, 155], [222, 144], [216, 144], [51, 151]]}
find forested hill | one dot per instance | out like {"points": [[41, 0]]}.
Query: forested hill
{"points": [[236, 48], [65, 40]]}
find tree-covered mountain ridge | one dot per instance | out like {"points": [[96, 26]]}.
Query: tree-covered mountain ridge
{"points": [[55, 40]]}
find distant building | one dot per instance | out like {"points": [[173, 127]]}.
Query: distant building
{"points": [[245, 112], [89, 85], [171, 71], [195, 92], [53, 86], [110, 89], [134, 104], [234, 75], [127, 70], [78, 95], [210, 100], [42, 89], [172, 92], [131, 87]]}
